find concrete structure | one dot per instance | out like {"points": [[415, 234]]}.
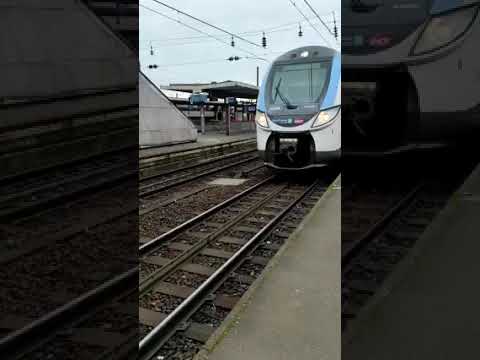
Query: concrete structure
{"points": [[429, 308], [204, 142], [119, 15], [68, 86], [293, 312], [58, 48], [161, 123], [206, 147]]}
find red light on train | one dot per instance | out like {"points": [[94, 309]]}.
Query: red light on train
{"points": [[380, 40]]}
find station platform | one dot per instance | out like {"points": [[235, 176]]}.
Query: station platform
{"points": [[429, 309], [203, 142], [293, 310]]}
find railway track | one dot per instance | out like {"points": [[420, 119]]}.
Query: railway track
{"points": [[99, 324], [353, 244], [151, 161], [52, 206], [158, 183], [196, 183], [192, 275], [50, 306], [28, 194], [68, 198], [199, 164], [379, 229], [55, 133], [60, 157]]}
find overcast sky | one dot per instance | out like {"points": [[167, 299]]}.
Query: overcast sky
{"points": [[176, 46]]}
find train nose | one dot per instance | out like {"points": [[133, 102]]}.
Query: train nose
{"points": [[290, 150]]}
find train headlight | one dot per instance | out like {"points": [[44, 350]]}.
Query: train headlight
{"points": [[325, 116], [445, 29], [261, 119]]}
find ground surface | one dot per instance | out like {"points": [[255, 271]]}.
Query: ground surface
{"points": [[295, 312]]}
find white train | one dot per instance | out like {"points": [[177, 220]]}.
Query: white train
{"points": [[298, 109], [411, 72]]}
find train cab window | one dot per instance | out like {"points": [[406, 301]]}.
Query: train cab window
{"points": [[295, 84]]}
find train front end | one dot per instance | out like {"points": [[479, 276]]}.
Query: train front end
{"points": [[410, 74], [299, 116]]}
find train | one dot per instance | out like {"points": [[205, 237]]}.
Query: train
{"points": [[299, 110], [411, 74]]}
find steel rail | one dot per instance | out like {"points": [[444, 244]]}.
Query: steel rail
{"points": [[191, 178], [66, 179], [28, 336], [248, 171], [154, 205], [152, 343], [199, 164], [203, 147], [145, 248], [9, 213], [177, 262], [378, 227]]}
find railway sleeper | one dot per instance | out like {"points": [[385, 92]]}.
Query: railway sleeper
{"points": [[192, 330], [223, 301]]}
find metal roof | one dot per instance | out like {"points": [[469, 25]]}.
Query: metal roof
{"points": [[219, 90]]}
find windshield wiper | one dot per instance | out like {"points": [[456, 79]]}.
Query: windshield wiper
{"points": [[290, 106]]}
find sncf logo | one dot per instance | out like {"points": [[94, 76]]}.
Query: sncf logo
{"points": [[380, 40]]}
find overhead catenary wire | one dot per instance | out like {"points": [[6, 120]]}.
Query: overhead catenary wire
{"points": [[211, 61], [318, 16], [200, 39], [206, 23], [199, 31], [310, 23], [227, 40], [218, 60], [252, 33]]}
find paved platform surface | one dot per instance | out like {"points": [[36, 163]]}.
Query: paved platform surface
{"points": [[294, 313], [203, 141], [430, 310]]}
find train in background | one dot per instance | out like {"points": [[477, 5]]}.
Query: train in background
{"points": [[411, 74], [298, 110]]}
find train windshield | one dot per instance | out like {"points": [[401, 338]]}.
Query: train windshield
{"points": [[292, 85]]}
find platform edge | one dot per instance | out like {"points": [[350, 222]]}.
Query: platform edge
{"points": [[234, 316]]}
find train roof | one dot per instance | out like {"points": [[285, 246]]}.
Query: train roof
{"points": [[314, 51]]}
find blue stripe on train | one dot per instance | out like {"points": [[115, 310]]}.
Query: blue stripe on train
{"points": [[331, 95], [261, 94]]}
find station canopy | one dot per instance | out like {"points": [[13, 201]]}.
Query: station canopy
{"points": [[219, 90]]}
